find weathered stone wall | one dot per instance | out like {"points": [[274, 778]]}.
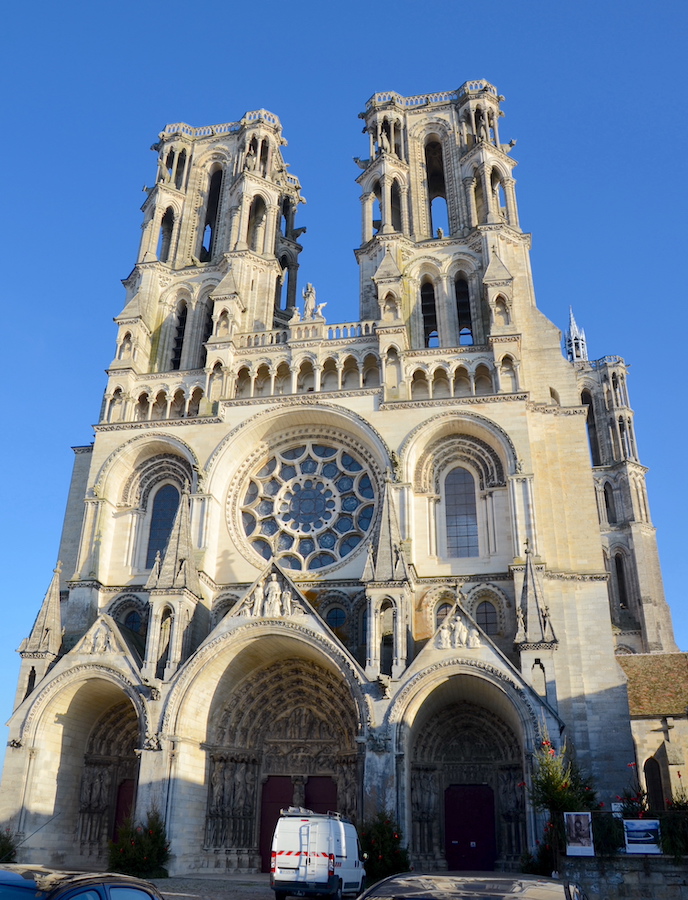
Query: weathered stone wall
{"points": [[630, 878]]}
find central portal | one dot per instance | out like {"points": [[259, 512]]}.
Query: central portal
{"points": [[285, 736]]}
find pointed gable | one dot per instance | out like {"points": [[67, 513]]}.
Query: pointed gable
{"points": [[388, 270], [535, 626], [387, 561], [46, 634], [497, 271]]}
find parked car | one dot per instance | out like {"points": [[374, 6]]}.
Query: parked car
{"points": [[473, 886], [315, 853], [24, 882]]}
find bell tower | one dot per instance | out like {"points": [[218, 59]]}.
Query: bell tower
{"points": [[438, 204], [218, 243]]}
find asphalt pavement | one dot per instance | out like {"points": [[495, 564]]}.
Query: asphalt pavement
{"points": [[216, 887]]}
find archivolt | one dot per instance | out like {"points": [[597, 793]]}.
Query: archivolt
{"points": [[455, 449], [291, 697]]}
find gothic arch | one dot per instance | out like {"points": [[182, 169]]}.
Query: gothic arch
{"points": [[121, 607], [468, 425], [461, 721], [124, 461], [273, 423], [61, 728], [239, 702]]}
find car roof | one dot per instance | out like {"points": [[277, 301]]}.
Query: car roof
{"points": [[47, 879], [483, 885]]}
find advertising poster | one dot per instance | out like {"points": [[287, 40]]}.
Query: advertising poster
{"points": [[579, 840], [642, 835]]}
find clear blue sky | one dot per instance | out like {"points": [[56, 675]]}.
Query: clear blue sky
{"points": [[595, 94]]}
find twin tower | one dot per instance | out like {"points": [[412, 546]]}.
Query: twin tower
{"points": [[361, 566]]}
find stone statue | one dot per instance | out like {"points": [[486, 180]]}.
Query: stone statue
{"points": [[444, 637], [308, 301], [460, 632], [473, 638], [272, 597], [163, 171], [384, 142], [258, 595], [286, 602], [250, 164]]}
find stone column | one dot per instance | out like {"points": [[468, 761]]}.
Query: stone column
{"points": [[487, 194], [511, 208], [386, 204], [405, 225], [367, 201], [469, 185]]}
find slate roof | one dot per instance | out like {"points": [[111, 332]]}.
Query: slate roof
{"points": [[657, 683]]}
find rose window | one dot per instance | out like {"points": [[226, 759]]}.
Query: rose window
{"points": [[309, 506]]}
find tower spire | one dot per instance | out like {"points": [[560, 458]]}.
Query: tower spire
{"points": [[575, 341]]}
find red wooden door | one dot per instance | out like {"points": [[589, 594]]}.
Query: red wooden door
{"points": [[277, 794], [469, 828], [321, 794], [124, 805]]}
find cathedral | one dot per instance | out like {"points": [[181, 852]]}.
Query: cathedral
{"points": [[362, 565]]}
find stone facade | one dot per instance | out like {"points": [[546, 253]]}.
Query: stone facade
{"points": [[360, 565]]}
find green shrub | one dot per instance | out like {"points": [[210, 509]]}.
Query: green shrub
{"points": [[673, 834], [381, 840], [8, 846], [141, 850]]}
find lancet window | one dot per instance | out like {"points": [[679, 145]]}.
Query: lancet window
{"points": [[429, 313], [460, 513], [463, 311], [165, 504], [211, 216], [165, 240], [437, 191]]}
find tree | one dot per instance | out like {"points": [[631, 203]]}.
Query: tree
{"points": [[141, 850], [381, 840]]}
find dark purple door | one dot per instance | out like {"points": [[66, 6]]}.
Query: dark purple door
{"points": [[277, 794], [469, 828], [321, 794], [124, 805]]}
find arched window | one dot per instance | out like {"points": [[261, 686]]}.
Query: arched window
{"points": [[609, 504], [206, 332], [463, 311], [211, 210], [586, 400], [387, 614], [179, 171], [256, 224], [165, 505], [396, 206], [486, 617], [437, 191], [461, 513], [507, 375], [134, 621], [335, 617], [429, 312], [165, 240], [30, 682], [441, 613], [182, 313], [653, 782], [621, 586]]}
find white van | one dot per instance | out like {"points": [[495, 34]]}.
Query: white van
{"points": [[315, 853]]}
